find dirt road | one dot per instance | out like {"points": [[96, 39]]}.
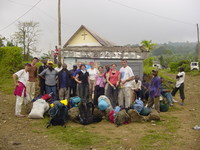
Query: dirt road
{"points": [[175, 127]]}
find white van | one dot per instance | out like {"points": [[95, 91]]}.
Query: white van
{"points": [[194, 65]]}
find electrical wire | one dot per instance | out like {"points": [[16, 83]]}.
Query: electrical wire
{"points": [[150, 13], [21, 16]]}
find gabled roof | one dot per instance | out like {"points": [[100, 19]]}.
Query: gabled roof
{"points": [[101, 40]]}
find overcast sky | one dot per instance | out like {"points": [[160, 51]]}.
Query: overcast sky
{"points": [[120, 21]]}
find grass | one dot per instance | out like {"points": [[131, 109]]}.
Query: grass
{"points": [[76, 136], [7, 85], [194, 73], [161, 137]]}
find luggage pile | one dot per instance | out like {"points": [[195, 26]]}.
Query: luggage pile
{"points": [[86, 113]]}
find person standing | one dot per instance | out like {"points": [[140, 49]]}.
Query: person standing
{"points": [[72, 82], [41, 80], [63, 83], [59, 67], [20, 89], [180, 84], [30, 87], [55, 55], [155, 91], [82, 78], [127, 76], [145, 90], [50, 76], [107, 67], [92, 74], [99, 85], [113, 80]]}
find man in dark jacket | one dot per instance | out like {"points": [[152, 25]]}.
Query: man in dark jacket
{"points": [[63, 83], [41, 80], [72, 82]]}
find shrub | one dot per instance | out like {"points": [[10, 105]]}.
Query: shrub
{"points": [[174, 66], [180, 63], [148, 61], [10, 60], [186, 67]]}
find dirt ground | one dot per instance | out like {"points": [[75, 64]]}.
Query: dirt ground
{"points": [[18, 133]]}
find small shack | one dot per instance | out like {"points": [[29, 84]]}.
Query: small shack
{"points": [[86, 46]]}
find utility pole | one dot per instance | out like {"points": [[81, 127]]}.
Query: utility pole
{"points": [[59, 32], [198, 44]]}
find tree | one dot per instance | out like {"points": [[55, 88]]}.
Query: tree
{"points": [[2, 39], [148, 45], [27, 37]]}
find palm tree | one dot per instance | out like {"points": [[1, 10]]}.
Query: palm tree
{"points": [[148, 45]]}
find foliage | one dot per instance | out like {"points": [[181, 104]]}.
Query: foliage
{"points": [[183, 63], [2, 39], [149, 61], [148, 45], [173, 66], [11, 61], [27, 37]]}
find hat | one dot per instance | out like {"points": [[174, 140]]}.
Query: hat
{"points": [[82, 65], [154, 70], [74, 65], [102, 104], [50, 62], [91, 62], [27, 64]]}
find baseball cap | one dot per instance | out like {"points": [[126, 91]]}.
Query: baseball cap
{"points": [[50, 62]]}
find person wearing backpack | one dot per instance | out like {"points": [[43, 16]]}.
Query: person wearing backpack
{"points": [[99, 85], [82, 78], [113, 80]]}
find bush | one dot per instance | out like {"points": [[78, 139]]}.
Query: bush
{"points": [[10, 60], [173, 66], [186, 67], [148, 61], [180, 63]]}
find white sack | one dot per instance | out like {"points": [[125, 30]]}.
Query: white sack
{"points": [[40, 106]]}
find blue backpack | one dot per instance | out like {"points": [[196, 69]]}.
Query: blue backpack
{"points": [[73, 101], [138, 105], [102, 105]]}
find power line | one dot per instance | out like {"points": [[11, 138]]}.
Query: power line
{"points": [[150, 13], [21, 4], [21, 16], [42, 11]]}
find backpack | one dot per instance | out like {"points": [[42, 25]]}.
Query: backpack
{"points": [[86, 113], [138, 105], [73, 101], [58, 114]]}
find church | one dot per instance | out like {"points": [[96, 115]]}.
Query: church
{"points": [[85, 46]]}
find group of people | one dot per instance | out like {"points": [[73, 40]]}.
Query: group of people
{"points": [[121, 86]]}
